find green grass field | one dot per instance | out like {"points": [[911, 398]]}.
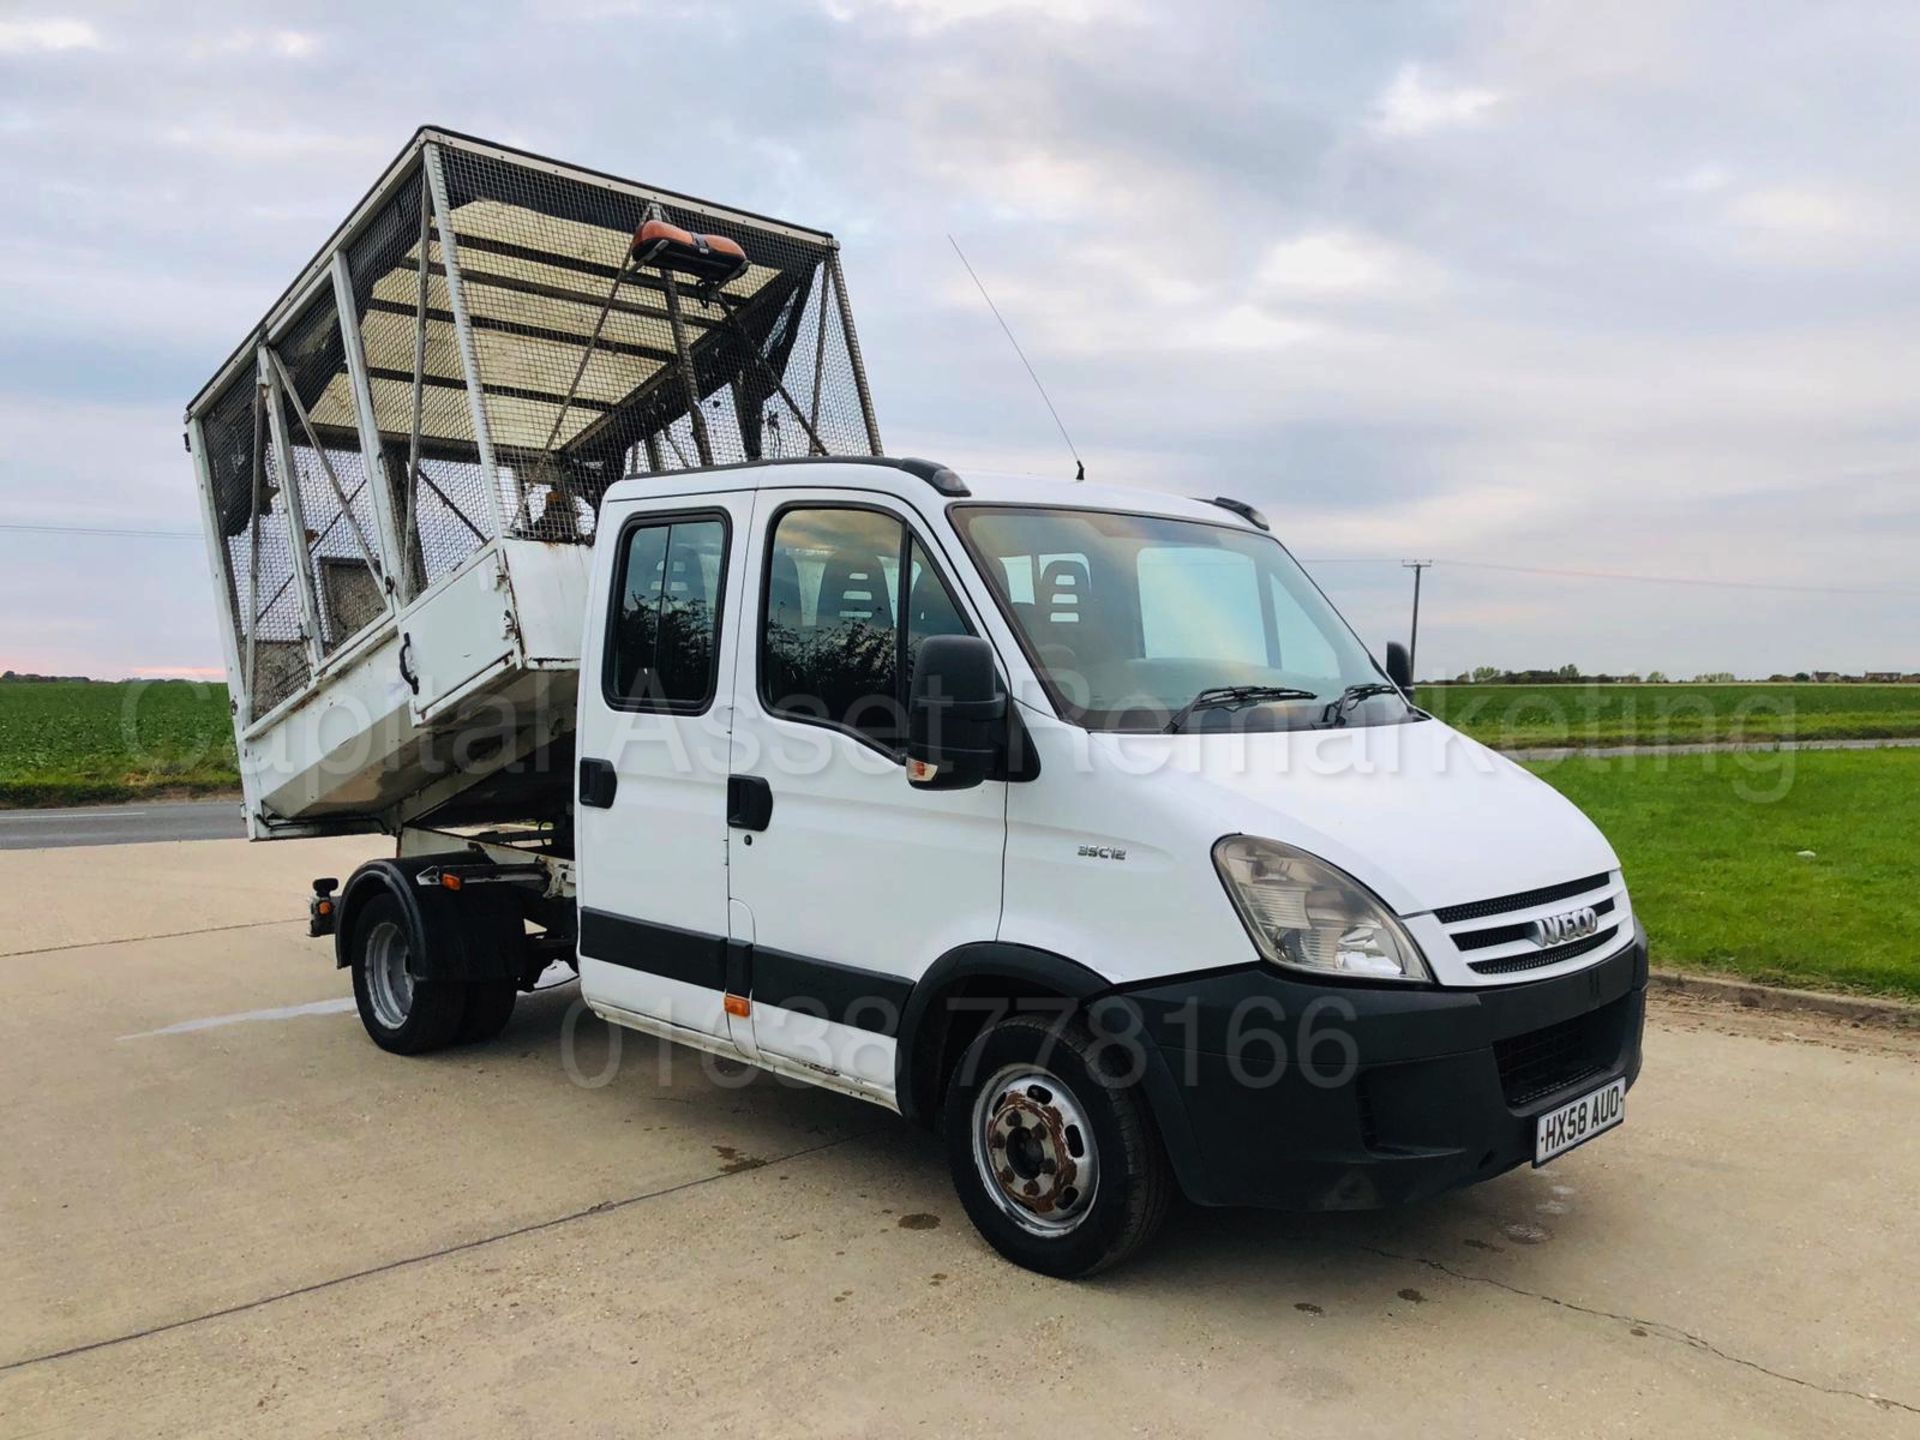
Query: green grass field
{"points": [[1710, 846], [77, 742], [1520, 715]]}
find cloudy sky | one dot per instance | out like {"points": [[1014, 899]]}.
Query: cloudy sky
{"points": [[1623, 289]]}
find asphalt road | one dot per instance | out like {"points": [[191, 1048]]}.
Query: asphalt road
{"points": [[224, 1212], [121, 824]]}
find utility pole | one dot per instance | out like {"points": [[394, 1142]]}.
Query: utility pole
{"points": [[1413, 636]]}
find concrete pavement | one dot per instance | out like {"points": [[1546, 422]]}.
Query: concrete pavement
{"points": [[264, 1225]]}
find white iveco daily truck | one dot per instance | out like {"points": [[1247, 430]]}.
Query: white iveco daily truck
{"points": [[554, 537]]}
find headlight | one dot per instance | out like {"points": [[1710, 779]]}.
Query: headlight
{"points": [[1305, 914]]}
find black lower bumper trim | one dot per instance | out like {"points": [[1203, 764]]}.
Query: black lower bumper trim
{"points": [[1298, 1096]]}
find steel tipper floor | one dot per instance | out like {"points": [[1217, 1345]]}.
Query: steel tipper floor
{"points": [[263, 1225]]}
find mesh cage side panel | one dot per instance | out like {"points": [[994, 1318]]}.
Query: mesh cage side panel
{"points": [[268, 609], [453, 517], [279, 631], [342, 539], [445, 506], [820, 376], [226, 438]]}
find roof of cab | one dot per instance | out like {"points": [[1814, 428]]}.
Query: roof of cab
{"points": [[914, 479]]}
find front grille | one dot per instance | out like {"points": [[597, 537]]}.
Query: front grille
{"points": [[1480, 909], [1501, 934], [1540, 958], [1536, 1064]]}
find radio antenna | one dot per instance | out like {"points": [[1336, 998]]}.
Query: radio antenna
{"points": [[1080, 466]]}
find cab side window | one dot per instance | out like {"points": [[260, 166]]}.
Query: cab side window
{"points": [[850, 598], [663, 641]]}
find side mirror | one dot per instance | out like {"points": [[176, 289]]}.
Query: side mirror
{"points": [[956, 713], [1399, 667]]}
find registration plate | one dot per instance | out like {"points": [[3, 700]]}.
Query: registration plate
{"points": [[1578, 1121]]}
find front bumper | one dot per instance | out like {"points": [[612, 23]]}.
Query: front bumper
{"points": [[1276, 1092]]}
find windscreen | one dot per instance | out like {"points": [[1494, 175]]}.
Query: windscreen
{"points": [[1129, 619]]}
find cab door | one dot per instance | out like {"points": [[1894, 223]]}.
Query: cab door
{"points": [[853, 882], [655, 714]]}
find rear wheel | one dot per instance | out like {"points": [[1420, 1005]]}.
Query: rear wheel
{"points": [[489, 1007], [1055, 1157], [402, 1013]]}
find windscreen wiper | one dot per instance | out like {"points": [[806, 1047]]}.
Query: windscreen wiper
{"points": [[1234, 696], [1336, 711]]}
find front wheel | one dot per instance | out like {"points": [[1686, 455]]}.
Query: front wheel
{"points": [[1056, 1159], [401, 1013]]}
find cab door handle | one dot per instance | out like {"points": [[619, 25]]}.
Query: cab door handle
{"points": [[599, 782], [749, 802]]}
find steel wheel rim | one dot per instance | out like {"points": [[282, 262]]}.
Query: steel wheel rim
{"points": [[389, 982], [1034, 1149]]}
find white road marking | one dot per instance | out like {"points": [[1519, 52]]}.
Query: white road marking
{"points": [[281, 1012], [555, 974]]}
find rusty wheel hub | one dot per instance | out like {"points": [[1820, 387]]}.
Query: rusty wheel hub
{"points": [[1034, 1147]]}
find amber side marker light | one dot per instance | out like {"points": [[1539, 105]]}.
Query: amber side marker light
{"points": [[449, 881], [738, 1005]]}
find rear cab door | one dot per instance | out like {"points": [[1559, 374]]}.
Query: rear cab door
{"points": [[655, 716]]}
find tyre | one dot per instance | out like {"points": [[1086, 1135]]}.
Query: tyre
{"points": [[489, 1007], [1054, 1154], [402, 1014]]}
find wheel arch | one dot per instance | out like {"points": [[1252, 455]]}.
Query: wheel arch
{"points": [[933, 1029], [933, 1032]]}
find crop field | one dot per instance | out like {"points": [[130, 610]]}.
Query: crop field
{"points": [[1787, 867], [1510, 716], [78, 742]]}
